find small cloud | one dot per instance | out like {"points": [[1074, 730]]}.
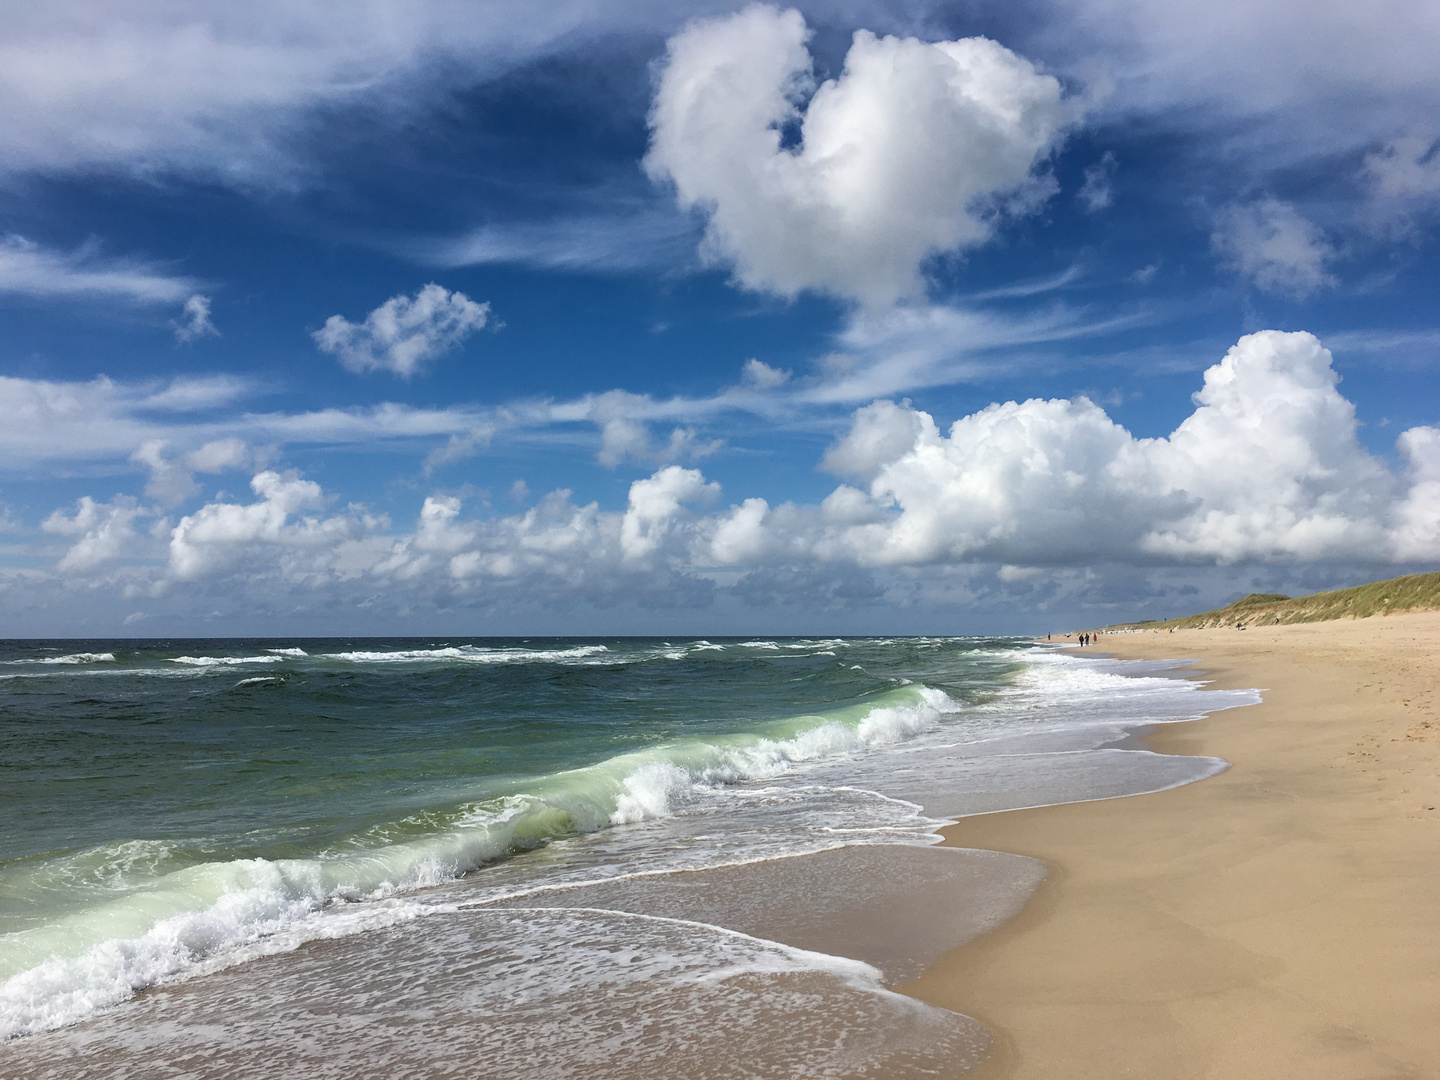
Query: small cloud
{"points": [[1098, 190], [623, 439], [1404, 183], [196, 322], [459, 447], [1408, 168], [404, 333], [1274, 245], [519, 491], [1145, 274], [762, 376], [1111, 399], [170, 482], [219, 456]]}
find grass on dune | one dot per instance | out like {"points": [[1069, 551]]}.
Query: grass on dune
{"points": [[1414, 592]]}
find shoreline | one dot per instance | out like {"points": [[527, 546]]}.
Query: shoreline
{"points": [[1275, 920]]}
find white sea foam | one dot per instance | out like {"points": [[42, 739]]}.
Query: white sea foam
{"points": [[240, 926], [202, 915], [198, 917], [551, 984], [288, 652], [656, 788], [224, 661], [72, 658], [473, 654]]}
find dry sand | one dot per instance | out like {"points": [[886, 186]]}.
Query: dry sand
{"points": [[1280, 920]]}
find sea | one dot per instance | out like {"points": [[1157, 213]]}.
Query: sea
{"points": [[538, 857]]}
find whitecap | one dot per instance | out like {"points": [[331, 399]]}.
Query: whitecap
{"points": [[72, 658], [472, 654], [224, 661]]}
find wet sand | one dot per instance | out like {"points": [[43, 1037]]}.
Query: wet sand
{"points": [[1279, 920]]}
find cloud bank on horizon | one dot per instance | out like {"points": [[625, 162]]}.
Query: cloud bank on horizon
{"points": [[756, 248]]}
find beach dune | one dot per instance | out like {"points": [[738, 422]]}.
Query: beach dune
{"points": [[1281, 919]]}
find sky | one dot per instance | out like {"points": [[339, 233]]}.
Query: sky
{"points": [[432, 317]]}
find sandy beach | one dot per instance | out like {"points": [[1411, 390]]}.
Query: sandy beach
{"points": [[1278, 920]]}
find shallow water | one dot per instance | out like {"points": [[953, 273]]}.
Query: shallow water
{"points": [[527, 812]]}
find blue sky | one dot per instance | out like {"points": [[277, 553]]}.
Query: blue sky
{"points": [[452, 318]]}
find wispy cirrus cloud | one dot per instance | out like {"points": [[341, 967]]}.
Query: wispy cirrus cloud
{"points": [[107, 420], [103, 420], [230, 93], [31, 269], [623, 239]]}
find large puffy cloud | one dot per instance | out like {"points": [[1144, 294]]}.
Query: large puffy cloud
{"points": [[1416, 524], [1267, 471], [655, 506], [1268, 467], [913, 150], [220, 536], [234, 92], [555, 551], [104, 532], [405, 332]]}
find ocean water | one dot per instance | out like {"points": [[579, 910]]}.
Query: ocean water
{"points": [[527, 857]]}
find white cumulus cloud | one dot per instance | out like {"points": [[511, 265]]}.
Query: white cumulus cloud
{"points": [[105, 531], [656, 504], [1267, 468], [404, 333], [220, 535], [915, 149], [1266, 472]]}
